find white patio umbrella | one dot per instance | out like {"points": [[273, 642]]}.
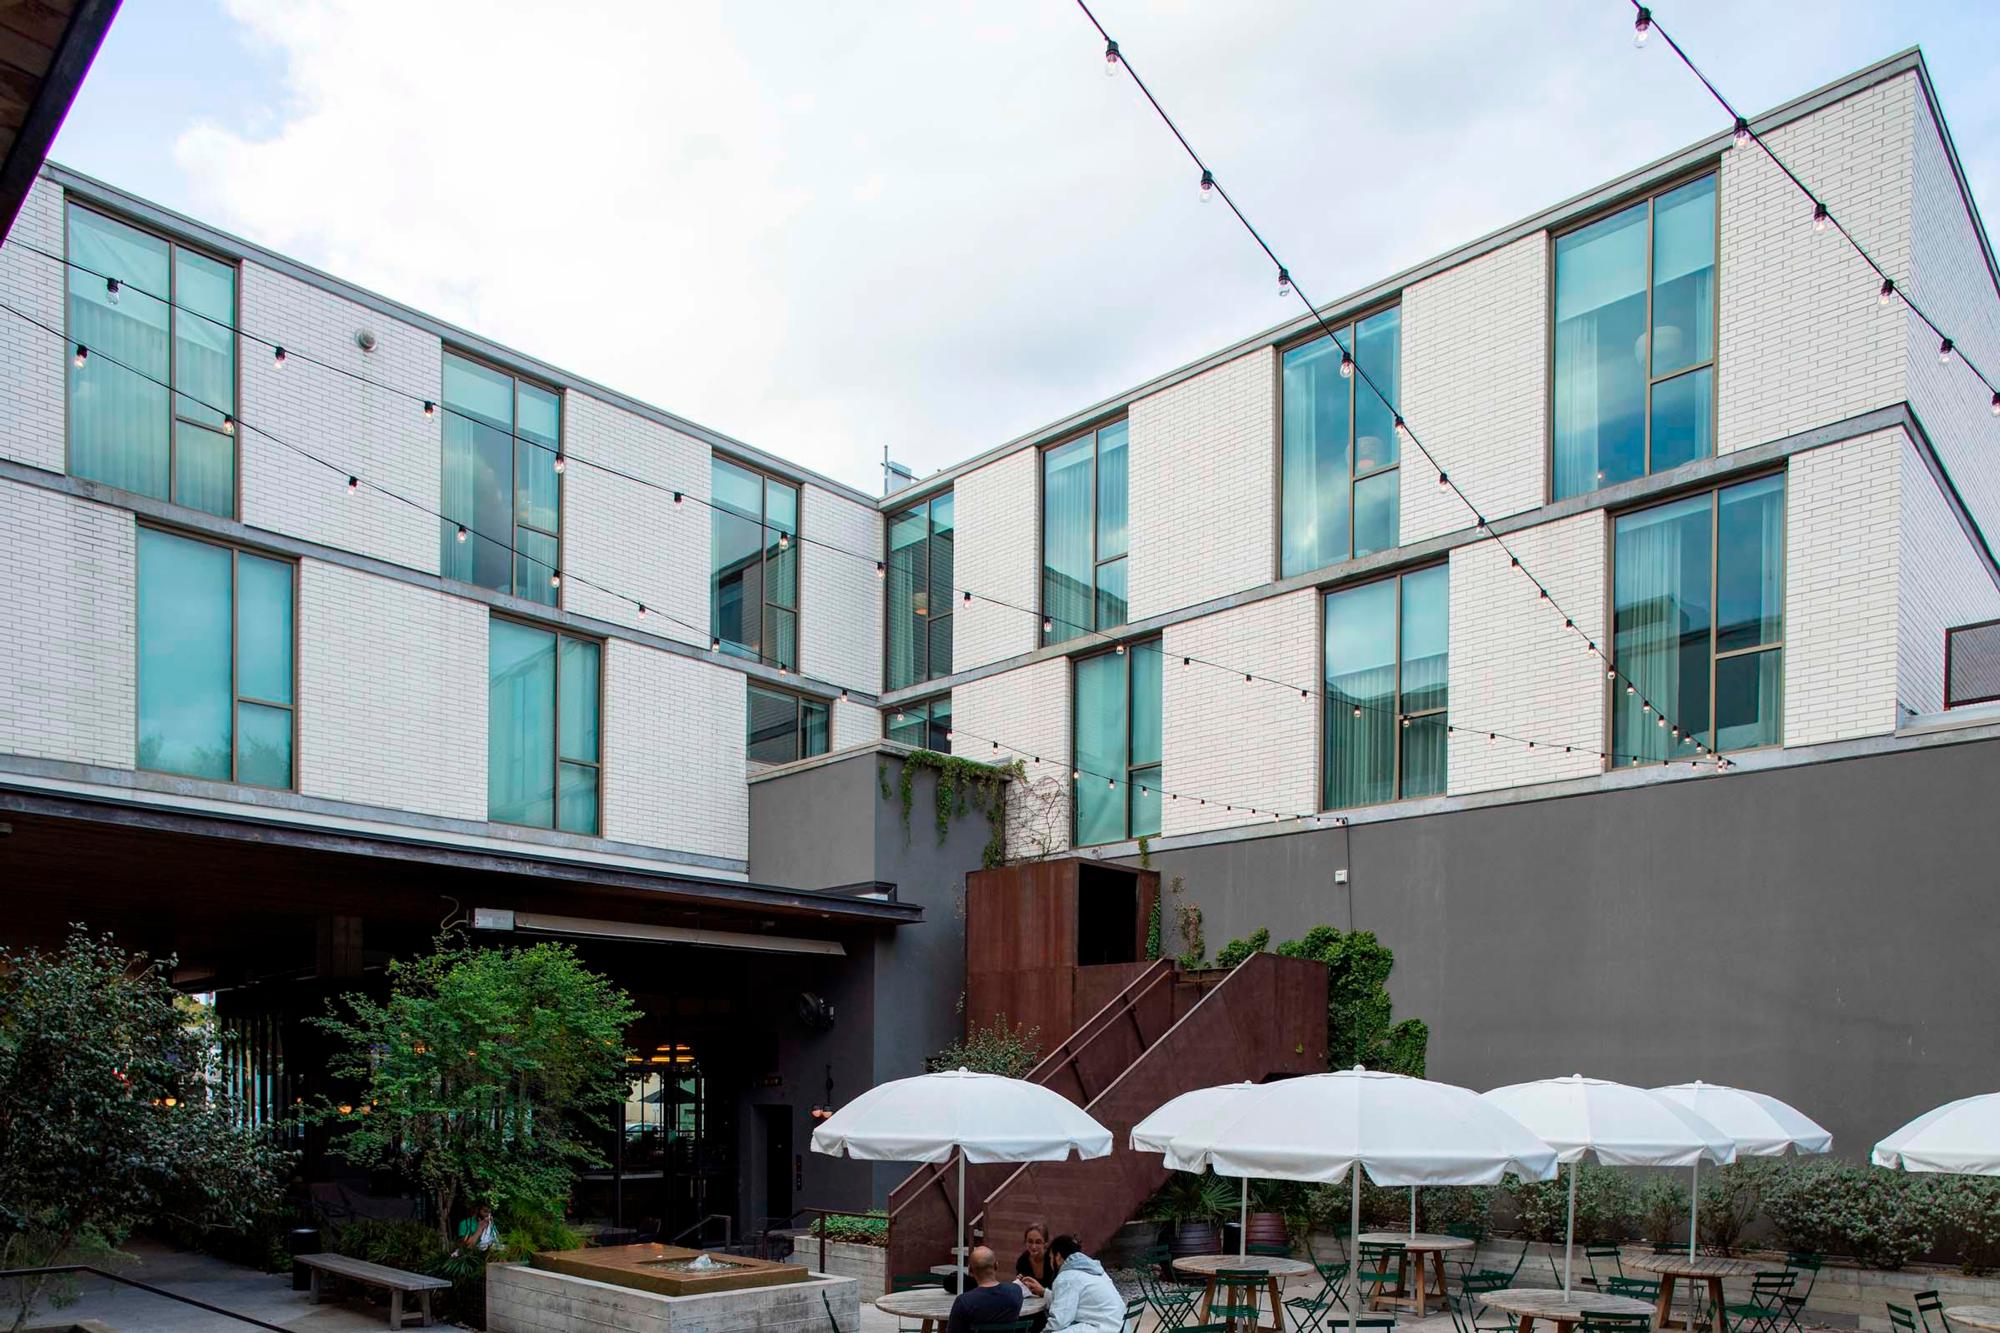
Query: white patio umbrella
{"points": [[1758, 1124], [982, 1117], [1188, 1113], [1617, 1124], [1962, 1137], [1328, 1127]]}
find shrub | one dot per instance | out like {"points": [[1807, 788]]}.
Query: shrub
{"points": [[870, 1230], [1969, 1211], [1442, 1207], [1606, 1205], [1730, 1199], [1236, 951], [398, 1242], [1663, 1204], [994, 1049], [1880, 1217]]}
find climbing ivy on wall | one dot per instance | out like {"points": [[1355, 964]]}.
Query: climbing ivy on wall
{"points": [[962, 784]]}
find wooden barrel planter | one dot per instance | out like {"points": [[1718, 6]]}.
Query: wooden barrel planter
{"points": [[1192, 1238], [1268, 1229]]}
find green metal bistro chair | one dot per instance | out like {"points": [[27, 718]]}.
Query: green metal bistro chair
{"points": [[1765, 1311], [1379, 1266], [1506, 1275], [1600, 1321], [1605, 1262], [1308, 1312], [1471, 1314], [1901, 1318], [1135, 1310], [1637, 1288], [1269, 1250], [1465, 1261], [1930, 1303], [1172, 1305], [1805, 1265], [1238, 1293], [1339, 1233], [913, 1282]]}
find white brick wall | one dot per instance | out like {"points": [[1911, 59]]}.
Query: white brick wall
{"points": [[1948, 277], [1027, 711], [1475, 387], [854, 724], [997, 553], [1515, 669], [67, 630], [1802, 339], [632, 538], [392, 693], [1202, 483], [32, 361], [1945, 582], [378, 435], [1232, 742], [840, 599], [673, 752], [1843, 506]]}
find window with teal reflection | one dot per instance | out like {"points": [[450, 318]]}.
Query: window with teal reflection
{"points": [[1116, 747], [542, 730], [753, 564], [918, 572], [783, 727], [1340, 454], [1698, 618], [1084, 542], [215, 644], [1634, 362], [924, 724], [502, 435], [172, 321], [1387, 673]]}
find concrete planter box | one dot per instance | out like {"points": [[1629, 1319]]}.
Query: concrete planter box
{"points": [[868, 1265], [520, 1299]]}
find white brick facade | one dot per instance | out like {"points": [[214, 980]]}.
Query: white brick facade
{"points": [[392, 694], [854, 724], [1475, 383], [1515, 669], [1944, 583], [673, 753], [629, 536], [1842, 554], [360, 430], [997, 553], [1203, 476], [1027, 711], [32, 374], [67, 627], [840, 617], [1231, 742]]}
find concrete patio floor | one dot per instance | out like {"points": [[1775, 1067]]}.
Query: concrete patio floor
{"points": [[266, 1296]]}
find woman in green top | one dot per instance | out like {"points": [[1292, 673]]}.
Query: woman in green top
{"points": [[478, 1232]]}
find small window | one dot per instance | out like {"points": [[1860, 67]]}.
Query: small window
{"points": [[1387, 674], [1116, 722], [542, 742], [1341, 453], [754, 565], [144, 313], [920, 601], [215, 661], [1635, 341], [502, 523], [925, 724], [1083, 534], [784, 727]]}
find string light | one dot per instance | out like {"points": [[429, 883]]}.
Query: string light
{"points": [[1110, 59], [1207, 185], [678, 497], [881, 570], [784, 541], [1742, 132], [228, 424], [82, 355], [430, 410], [277, 358], [463, 534], [560, 463], [353, 483], [1284, 283], [112, 287], [1820, 217], [1642, 26], [1944, 351], [1346, 364], [555, 578], [642, 616]]}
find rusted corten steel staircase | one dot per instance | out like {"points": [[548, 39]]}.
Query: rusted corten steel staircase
{"points": [[1165, 1033]]}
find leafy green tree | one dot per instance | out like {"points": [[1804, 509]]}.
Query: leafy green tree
{"points": [[111, 1111], [482, 1075], [1359, 1029]]}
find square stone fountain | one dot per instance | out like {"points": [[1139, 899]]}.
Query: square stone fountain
{"points": [[665, 1289]]}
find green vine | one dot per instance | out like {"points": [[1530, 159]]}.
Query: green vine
{"points": [[1153, 916], [962, 784]]}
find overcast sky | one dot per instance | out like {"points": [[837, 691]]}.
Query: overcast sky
{"points": [[827, 228]]}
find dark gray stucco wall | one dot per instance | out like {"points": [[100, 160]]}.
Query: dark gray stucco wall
{"points": [[1828, 933]]}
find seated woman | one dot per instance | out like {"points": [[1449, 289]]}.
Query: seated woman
{"points": [[1033, 1268]]}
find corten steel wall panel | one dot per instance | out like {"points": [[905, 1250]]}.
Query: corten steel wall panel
{"points": [[1020, 946]]}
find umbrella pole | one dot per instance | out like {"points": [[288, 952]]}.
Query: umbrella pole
{"points": [[1354, 1235], [963, 1222], [1694, 1205], [1569, 1233], [1243, 1222], [1413, 1210]]}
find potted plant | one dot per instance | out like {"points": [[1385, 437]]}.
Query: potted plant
{"points": [[1192, 1208], [1271, 1203]]}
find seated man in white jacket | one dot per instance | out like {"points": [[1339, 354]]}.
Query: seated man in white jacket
{"points": [[1082, 1297]]}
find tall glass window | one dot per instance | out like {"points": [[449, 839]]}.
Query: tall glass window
{"points": [[1117, 728], [1698, 600], [1635, 341], [542, 741], [920, 598], [215, 661], [172, 320], [1341, 455], [784, 727], [754, 581], [1387, 646], [501, 439], [1083, 533], [925, 724]]}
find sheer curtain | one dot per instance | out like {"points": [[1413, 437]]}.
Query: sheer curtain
{"points": [[118, 419], [1069, 583], [521, 724], [1576, 406], [1662, 624], [1361, 671]]}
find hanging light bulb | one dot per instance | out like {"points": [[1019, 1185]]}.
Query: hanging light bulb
{"points": [[1888, 291], [968, 597], [278, 358], [1284, 283], [1076, 775], [560, 463], [715, 643], [1642, 26], [1630, 688], [463, 534], [1402, 429], [430, 410], [1111, 784], [1048, 625], [1611, 673], [1357, 710], [82, 354], [1944, 351], [678, 497], [555, 578], [228, 424], [1406, 724], [1186, 662], [1742, 134], [1110, 59], [1121, 650], [784, 541], [1820, 217], [642, 616], [1207, 185], [881, 569], [112, 287], [1444, 480], [353, 484], [1996, 404], [1346, 364]]}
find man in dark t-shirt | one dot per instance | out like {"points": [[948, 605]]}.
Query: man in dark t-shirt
{"points": [[991, 1301]]}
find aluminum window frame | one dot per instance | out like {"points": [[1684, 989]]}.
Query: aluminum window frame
{"points": [[927, 505], [800, 702], [1093, 432], [929, 721], [1155, 644], [559, 633], [1349, 323], [514, 523], [1403, 717], [797, 545]]}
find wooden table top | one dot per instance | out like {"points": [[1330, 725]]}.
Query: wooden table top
{"points": [[1545, 1303], [1702, 1265], [1422, 1240], [935, 1303], [1975, 1316], [1208, 1265]]}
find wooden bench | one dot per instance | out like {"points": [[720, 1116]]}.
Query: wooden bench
{"points": [[328, 1270]]}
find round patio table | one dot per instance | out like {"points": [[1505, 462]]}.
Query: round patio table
{"points": [[1705, 1268], [1976, 1316], [933, 1305], [1531, 1303], [1274, 1269], [1417, 1245]]}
